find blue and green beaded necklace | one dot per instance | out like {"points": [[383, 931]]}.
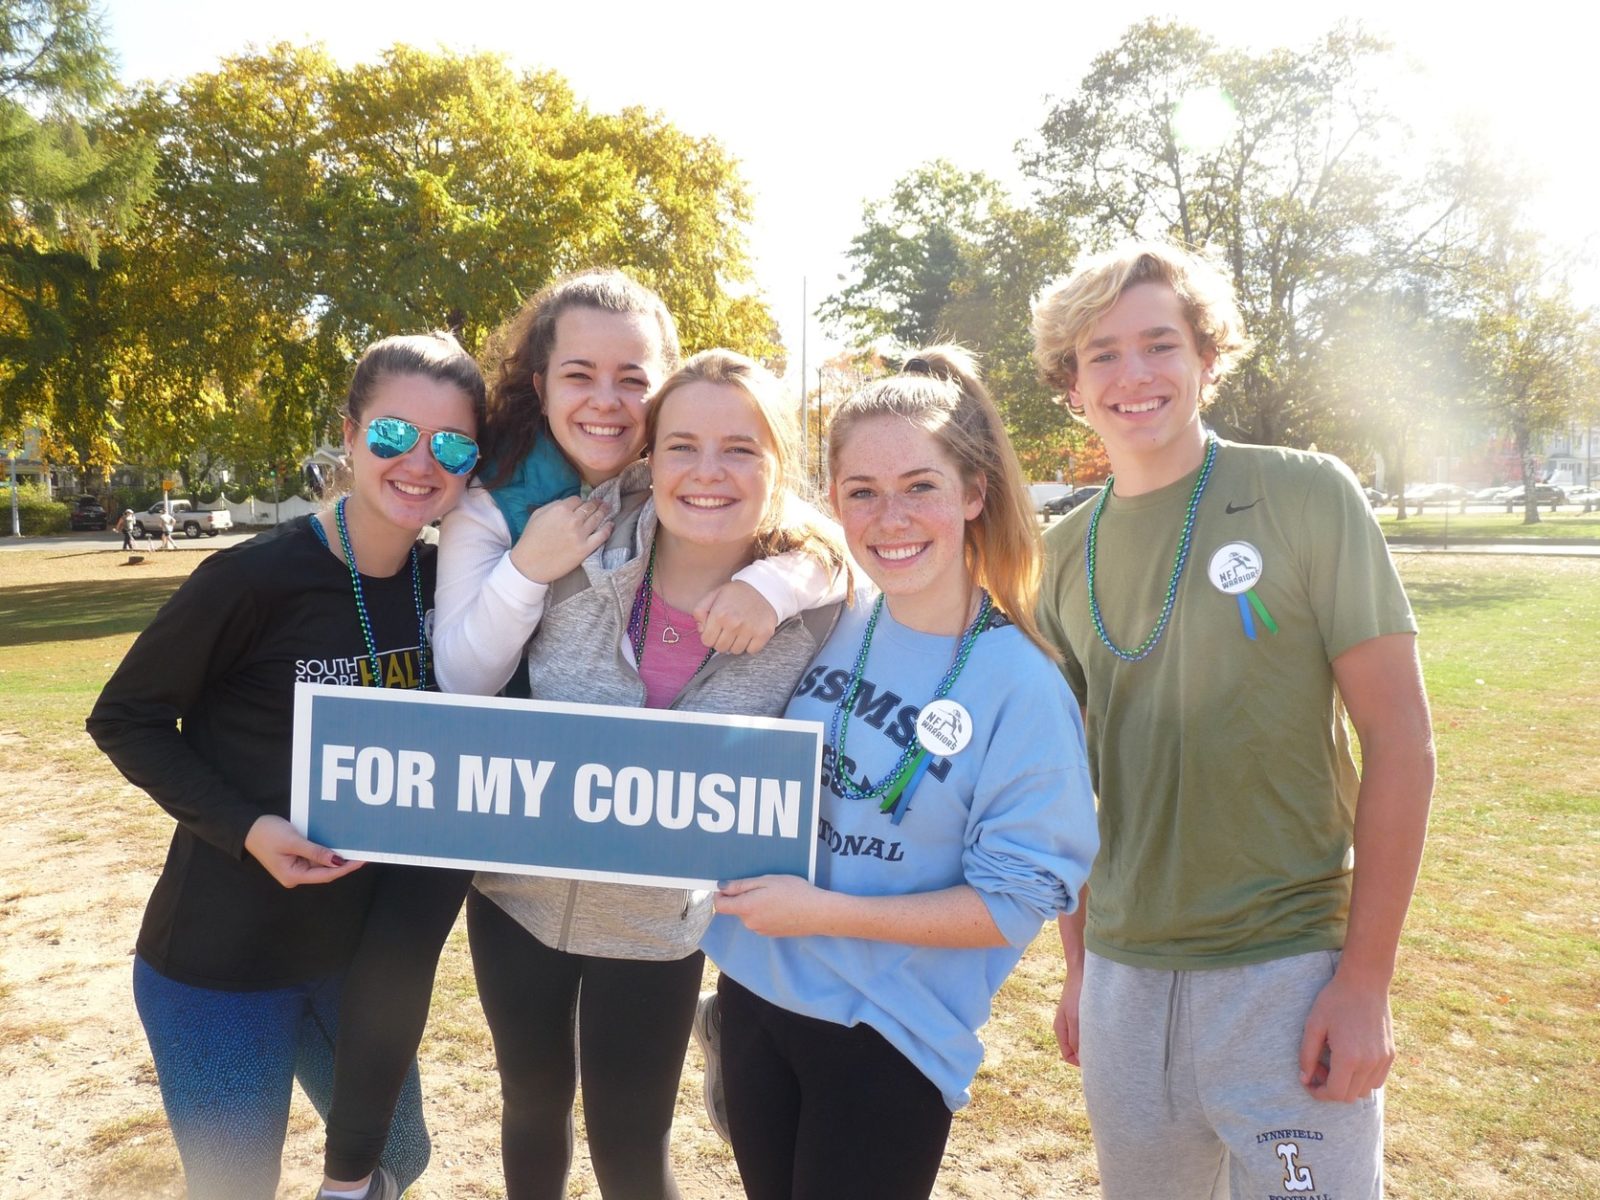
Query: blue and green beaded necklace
{"points": [[1146, 647], [361, 602], [895, 788]]}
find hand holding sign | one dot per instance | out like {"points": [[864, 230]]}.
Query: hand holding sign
{"points": [[290, 858], [777, 905]]}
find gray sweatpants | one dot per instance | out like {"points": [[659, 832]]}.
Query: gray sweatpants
{"points": [[1192, 1082]]}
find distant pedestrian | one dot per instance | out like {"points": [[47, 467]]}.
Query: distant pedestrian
{"points": [[125, 524], [167, 526]]}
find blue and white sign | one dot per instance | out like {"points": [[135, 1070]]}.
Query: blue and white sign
{"points": [[632, 795]]}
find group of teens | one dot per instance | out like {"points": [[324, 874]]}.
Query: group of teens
{"points": [[624, 527]]}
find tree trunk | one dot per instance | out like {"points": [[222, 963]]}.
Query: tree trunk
{"points": [[1400, 479], [1530, 503]]}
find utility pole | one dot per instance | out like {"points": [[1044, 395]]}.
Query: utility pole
{"points": [[804, 407], [11, 472], [819, 428]]}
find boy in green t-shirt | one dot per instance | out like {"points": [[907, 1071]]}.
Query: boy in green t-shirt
{"points": [[1227, 994]]}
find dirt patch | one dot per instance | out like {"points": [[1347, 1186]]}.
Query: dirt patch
{"points": [[80, 1112]]}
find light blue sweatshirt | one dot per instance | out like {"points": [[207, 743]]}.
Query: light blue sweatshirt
{"points": [[1012, 815]]}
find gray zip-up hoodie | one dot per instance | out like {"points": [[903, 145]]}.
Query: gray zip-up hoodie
{"points": [[581, 653]]}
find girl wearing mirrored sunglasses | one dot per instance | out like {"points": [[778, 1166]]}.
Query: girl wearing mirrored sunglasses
{"points": [[391, 437], [248, 936]]}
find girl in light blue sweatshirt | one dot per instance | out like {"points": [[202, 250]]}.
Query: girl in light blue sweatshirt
{"points": [[957, 814]]}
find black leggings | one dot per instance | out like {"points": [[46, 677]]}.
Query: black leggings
{"points": [[819, 1111], [633, 1022], [384, 1009]]}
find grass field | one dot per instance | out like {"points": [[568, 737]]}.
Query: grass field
{"points": [[1496, 1092], [1477, 524]]}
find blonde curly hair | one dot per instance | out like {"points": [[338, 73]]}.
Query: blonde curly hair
{"points": [[1067, 310]]}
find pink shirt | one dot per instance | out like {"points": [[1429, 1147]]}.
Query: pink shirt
{"points": [[668, 665]]}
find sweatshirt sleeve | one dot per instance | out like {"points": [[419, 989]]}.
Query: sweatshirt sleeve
{"points": [[485, 610], [199, 636], [1033, 833], [794, 583]]}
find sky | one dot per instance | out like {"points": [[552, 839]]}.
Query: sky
{"points": [[826, 104]]}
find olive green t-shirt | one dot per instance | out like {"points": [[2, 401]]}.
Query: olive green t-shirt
{"points": [[1222, 761]]}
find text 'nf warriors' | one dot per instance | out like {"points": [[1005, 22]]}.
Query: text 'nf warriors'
{"points": [[1221, 609]]}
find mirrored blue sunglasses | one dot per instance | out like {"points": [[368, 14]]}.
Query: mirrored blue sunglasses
{"points": [[390, 437]]}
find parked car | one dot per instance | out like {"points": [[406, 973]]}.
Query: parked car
{"points": [[1434, 493], [193, 521], [1057, 505], [1543, 493], [87, 513], [1041, 493], [1376, 498], [1583, 495], [1490, 495]]}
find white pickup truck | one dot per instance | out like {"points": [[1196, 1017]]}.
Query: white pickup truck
{"points": [[185, 516]]}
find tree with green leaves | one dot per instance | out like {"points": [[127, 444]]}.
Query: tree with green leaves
{"points": [[918, 246], [303, 210], [1276, 162], [1534, 349], [948, 256], [68, 181], [1529, 350]]}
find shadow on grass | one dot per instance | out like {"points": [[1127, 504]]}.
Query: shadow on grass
{"points": [[1436, 595], [63, 612]]}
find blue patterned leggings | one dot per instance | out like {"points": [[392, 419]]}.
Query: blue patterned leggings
{"points": [[227, 1062]]}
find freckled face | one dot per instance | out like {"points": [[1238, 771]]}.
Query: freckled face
{"points": [[412, 490], [904, 509], [603, 368], [713, 466]]}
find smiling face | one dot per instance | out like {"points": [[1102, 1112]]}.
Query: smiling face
{"points": [[412, 490], [1139, 379], [905, 508], [714, 464], [603, 367]]}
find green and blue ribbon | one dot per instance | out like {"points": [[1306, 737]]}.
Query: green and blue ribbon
{"points": [[1247, 601]]}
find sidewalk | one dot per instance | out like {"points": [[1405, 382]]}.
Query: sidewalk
{"points": [[1544, 549]]}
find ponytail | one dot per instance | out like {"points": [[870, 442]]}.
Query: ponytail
{"points": [[939, 389]]}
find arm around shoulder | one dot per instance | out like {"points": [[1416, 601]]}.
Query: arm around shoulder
{"points": [[485, 610], [741, 616]]}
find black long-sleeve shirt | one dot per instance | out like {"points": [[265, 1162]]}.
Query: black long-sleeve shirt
{"points": [[200, 714]]}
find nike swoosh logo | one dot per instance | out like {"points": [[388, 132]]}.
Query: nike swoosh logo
{"points": [[1231, 508]]}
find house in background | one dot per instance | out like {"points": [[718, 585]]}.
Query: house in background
{"points": [[23, 462], [1569, 456]]}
